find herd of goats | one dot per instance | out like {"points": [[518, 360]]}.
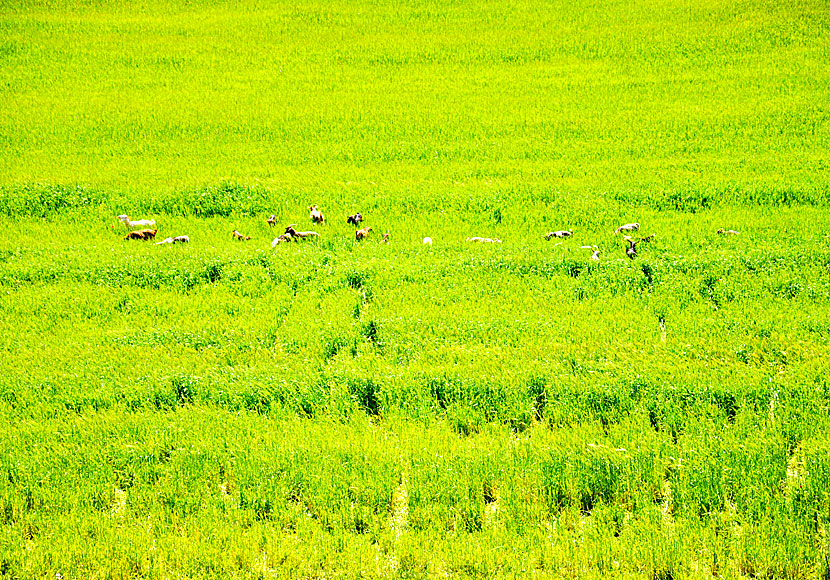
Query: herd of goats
{"points": [[291, 234]]}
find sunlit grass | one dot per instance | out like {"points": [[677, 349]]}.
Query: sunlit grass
{"points": [[338, 408]]}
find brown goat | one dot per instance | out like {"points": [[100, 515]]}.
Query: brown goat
{"points": [[237, 236], [141, 235], [272, 221], [631, 251], [361, 234]]}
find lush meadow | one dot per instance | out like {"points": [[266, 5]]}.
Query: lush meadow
{"points": [[345, 409]]}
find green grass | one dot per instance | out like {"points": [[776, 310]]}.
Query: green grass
{"points": [[321, 98], [344, 409]]}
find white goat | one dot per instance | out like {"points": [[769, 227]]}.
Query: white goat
{"points": [[176, 240], [559, 234], [427, 241], [282, 238], [136, 224], [595, 250], [316, 214], [485, 240], [628, 228], [295, 235]]}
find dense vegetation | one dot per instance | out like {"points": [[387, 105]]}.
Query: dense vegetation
{"points": [[338, 408]]}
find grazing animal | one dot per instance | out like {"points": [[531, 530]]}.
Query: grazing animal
{"points": [[316, 214], [427, 241], [355, 219], [485, 240], [385, 239], [237, 236], [631, 251], [628, 228], [176, 240], [595, 250], [141, 235], [272, 221], [728, 232], [363, 233], [137, 223], [281, 239], [559, 234], [299, 235]]}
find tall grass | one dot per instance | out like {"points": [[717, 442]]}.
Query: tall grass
{"points": [[338, 408]]}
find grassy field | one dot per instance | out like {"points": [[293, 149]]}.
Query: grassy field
{"points": [[339, 409]]}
